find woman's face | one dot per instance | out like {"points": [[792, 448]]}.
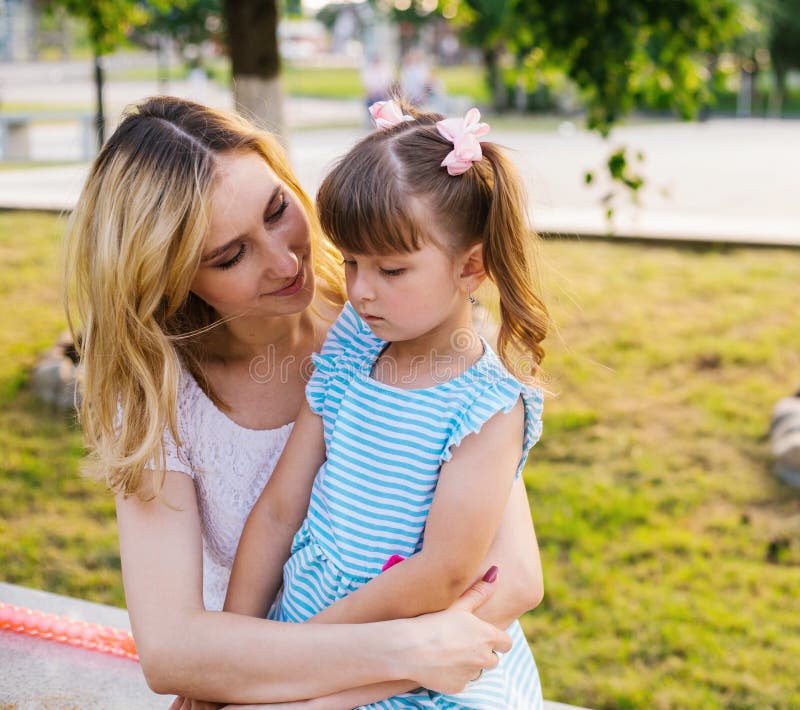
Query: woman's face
{"points": [[257, 256]]}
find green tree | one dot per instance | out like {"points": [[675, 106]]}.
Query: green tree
{"points": [[619, 53], [483, 25], [255, 60], [108, 22], [188, 23], [622, 53], [784, 44]]}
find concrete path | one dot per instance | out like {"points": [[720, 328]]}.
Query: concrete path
{"points": [[728, 181], [722, 180]]}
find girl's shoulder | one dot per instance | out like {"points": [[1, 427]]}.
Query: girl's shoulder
{"points": [[491, 375]]}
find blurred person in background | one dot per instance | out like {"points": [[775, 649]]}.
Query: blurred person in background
{"points": [[378, 79], [415, 77]]}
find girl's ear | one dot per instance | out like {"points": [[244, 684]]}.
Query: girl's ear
{"points": [[472, 266]]}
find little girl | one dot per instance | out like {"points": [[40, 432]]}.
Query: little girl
{"points": [[415, 430]]}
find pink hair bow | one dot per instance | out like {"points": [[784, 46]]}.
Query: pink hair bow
{"points": [[387, 114], [464, 134]]}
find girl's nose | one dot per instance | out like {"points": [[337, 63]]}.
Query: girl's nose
{"points": [[360, 288]]}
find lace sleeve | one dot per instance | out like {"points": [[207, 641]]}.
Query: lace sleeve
{"points": [[175, 457]]}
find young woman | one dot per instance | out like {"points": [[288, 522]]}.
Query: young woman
{"points": [[197, 274]]}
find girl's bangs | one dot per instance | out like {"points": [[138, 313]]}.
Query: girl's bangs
{"points": [[362, 211]]}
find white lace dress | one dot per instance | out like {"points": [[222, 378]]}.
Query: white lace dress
{"points": [[230, 465]]}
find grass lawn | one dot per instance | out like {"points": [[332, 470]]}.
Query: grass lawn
{"points": [[322, 82], [672, 557]]}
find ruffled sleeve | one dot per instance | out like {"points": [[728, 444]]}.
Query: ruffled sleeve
{"points": [[347, 329], [347, 350], [317, 387], [493, 398]]}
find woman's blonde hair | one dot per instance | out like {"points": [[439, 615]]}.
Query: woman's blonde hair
{"points": [[363, 206], [133, 248]]}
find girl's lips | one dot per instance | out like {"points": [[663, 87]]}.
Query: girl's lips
{"points": [[297, 283]]}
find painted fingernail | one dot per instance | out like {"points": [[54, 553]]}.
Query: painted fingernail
{"points": [[491, 574]]}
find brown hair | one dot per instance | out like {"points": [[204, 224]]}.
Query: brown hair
{"points": [[365, 206], [133, 247]]}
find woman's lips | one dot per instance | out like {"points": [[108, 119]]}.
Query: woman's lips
{"points": [[297, 283]]}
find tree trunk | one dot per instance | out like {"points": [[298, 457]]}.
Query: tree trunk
{"points": [[99, 120], [162, 54], [778, 92], [255, 61], [494, 73]]}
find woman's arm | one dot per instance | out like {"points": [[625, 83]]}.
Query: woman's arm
{"points": [[471, 498], [472, 599], [278, 513], [520, 587], [225, 657]]}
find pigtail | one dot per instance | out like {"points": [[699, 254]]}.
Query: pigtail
{"points": [[508, 254]]}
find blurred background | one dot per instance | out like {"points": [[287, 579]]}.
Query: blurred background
{"points": [[659, 143]]}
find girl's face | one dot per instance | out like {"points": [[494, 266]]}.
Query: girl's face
{"points": [[257, 256], [406, 296]]}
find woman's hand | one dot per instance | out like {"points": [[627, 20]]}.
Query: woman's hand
{"points": [[454, 645]]}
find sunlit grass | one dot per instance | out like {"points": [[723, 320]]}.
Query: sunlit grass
{"points": [[672, 556], [57, 529], [655, 508]]}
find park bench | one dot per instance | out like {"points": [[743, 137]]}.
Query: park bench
{"points": [[15, 140]]}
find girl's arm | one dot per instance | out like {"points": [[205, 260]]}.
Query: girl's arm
{"points": [[471, 498], [519, 588], [277, 515], [225, 657]]}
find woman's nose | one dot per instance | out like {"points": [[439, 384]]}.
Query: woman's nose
{"points": [[280, 262]]}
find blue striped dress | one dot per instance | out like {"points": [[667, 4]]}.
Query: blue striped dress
{"points": [[371, 497]]}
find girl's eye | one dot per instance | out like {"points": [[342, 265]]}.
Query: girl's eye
{"points": [[392, 272], [348, 262], [232, 262], [276, 215]]}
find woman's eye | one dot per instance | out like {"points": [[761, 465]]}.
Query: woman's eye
{"points": [[276, 215], [232, 262]]}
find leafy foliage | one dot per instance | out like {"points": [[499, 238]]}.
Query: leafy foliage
{"points": [[188, 22], [108, 22], [619, 53]]}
